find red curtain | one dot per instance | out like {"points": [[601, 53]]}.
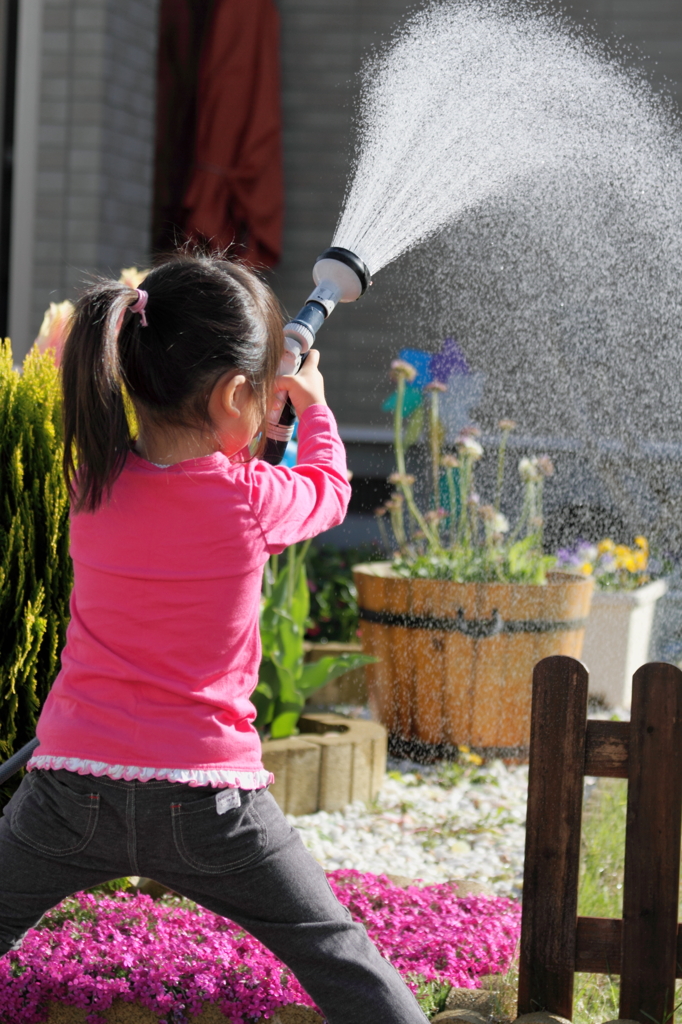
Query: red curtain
{"points": [[183, 25], [236, 193]]}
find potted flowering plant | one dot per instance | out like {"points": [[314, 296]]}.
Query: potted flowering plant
{"points": [[468, 605], [618, 629]]}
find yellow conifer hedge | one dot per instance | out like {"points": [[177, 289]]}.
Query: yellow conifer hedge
{"points": [[35, 568]]}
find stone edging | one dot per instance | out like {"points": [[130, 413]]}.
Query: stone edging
{"points": [[134, 1013], [334, 761]]}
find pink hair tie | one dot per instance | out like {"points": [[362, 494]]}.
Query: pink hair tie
{"points": [[140, 306]]}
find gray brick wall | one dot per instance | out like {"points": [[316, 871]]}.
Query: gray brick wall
{"points": [[96, 138]]}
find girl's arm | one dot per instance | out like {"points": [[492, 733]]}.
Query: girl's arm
{"points": [[296, 504]]}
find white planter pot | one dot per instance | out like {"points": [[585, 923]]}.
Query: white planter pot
{"points": [[617, 639]]}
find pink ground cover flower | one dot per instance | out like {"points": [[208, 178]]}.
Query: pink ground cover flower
{"points": [[430, 931], [172, 957]]}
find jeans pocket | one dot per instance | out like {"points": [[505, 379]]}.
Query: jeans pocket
{"points": [[51, 818], [213, 843]]}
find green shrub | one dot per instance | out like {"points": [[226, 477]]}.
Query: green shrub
{"points": [[334, 613], [35, 568]]}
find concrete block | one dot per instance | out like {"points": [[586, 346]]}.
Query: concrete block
{"points": [[303, 772], [121, 1012], [56, 17], [50, 181], [541, 1017], [369, 741], [53, 110], [83, 253], [344, 766], [299, 764], [83, 207], [85, 183], [87, 109], [482, 1000], [56, 41], [89, 42], [52, 135], [54, 88], [86, 136], [460, 1017], [336, 771], [92, 16], [84, 159], [362, 769], [54, 65], [275, 758], [88, 65], [294, 1014]]}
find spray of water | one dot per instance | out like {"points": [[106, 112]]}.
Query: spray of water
{"points": [[538, 184], [471, 98]]}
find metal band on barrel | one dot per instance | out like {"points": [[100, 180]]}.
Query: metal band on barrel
{"points": [[479, 629]]}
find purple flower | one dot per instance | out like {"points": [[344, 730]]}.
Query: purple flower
{"points": [[450, 361]]}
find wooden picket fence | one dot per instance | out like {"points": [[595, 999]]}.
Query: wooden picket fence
{"points": [[645, 947]]}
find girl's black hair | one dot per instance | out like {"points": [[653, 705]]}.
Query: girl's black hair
{"points": [[205, 315]]}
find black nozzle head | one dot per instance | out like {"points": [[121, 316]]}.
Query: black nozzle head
{"points": [[335, 252]]}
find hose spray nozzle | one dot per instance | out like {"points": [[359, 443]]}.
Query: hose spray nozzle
{"points": [[339, 276]]}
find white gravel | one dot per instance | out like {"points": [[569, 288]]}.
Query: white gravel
{"points": [[433, 824]]}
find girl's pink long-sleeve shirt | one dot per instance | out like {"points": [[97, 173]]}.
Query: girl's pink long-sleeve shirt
{"points": [[163, 647]]}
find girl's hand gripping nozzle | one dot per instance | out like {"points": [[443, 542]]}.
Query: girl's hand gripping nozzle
{"points": [[339, 276]]}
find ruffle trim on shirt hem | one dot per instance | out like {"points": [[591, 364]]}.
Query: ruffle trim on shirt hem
{"points": [[217, 777]]}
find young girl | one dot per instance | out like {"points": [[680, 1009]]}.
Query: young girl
{"points": [[148, 762]]}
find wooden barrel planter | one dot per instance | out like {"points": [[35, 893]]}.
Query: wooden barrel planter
{"points": [[456, 659]]}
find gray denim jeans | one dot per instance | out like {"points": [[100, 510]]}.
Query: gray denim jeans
{"points": [[62, 832]]}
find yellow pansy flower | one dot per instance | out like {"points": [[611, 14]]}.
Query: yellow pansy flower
{"points": [[586, 568], [605, 546], [642, 542]]}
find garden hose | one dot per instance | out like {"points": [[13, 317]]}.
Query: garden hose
{"points": [[339, 276], [18, 760]]}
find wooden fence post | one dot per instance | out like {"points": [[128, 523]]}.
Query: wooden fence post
{"points": [[652, 846], [555, 793]]}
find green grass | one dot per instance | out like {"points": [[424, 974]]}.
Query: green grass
{"points": [[603, 850], [601, 892]]}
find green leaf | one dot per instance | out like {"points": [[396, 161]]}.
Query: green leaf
{"points": [[285, 723], [264, 703], [300, 606], [316, 673], [269, 677]]}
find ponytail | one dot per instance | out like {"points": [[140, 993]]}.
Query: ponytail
{"points": [[204, 316], [96, 433]]}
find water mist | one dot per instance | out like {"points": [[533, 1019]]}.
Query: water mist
{"points": [[532, 186]]}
